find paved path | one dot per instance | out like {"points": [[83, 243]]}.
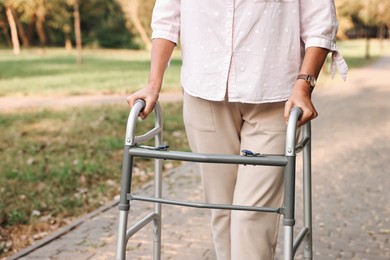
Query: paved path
{"points": [[351, 201], [12, 103]]}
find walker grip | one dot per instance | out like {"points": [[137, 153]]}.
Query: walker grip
{"points": [[142, 102]]}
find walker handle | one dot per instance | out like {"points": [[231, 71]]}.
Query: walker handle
{"points": [[142, 104], [295, 114], [139, 105]]}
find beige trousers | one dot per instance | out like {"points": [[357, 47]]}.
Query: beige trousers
{"points": [[227, 128]]}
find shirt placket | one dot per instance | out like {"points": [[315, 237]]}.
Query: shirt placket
{"points": [[229, 41]]}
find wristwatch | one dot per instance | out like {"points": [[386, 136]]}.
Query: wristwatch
{"points": [[310, 79]]}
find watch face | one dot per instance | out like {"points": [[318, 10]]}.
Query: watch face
{"points": [[312, 81]]}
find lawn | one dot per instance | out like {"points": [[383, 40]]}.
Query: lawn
{"points": [[57, 165], [55, 72]]}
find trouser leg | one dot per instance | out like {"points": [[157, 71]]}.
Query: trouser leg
{"points": [[254, 234], [222, 127], [211, 129]]}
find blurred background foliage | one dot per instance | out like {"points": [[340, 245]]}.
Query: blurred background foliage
{"points": [[103, 23], [126, 23]]}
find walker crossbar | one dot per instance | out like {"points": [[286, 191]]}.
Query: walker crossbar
{"points": [[270, 160], [299, 238], [205, 205], [140, 224], [288, 161]]}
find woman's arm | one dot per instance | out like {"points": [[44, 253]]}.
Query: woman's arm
{"points": [[161, 53], [301, 94]]}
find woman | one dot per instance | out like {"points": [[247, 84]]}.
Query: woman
{"points": [[246, 63]]}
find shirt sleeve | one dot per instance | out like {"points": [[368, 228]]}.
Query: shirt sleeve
{"points": [[319, 29], [166, 20]]}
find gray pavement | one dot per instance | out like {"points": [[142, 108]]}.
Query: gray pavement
{"points": [[351, 198]]}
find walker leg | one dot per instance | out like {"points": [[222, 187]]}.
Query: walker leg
{"points": [[158, 168], [122, 241], [124, 204], [289, 203], [288, 242], [307, 203], [158, 211]]}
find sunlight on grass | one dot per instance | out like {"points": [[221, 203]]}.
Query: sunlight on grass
{"points": [[53, 71], [69, 162], [102, 72]]}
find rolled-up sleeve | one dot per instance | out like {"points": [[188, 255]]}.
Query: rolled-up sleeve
{"points": [[318, 23], [319, 27], [166, 20]]}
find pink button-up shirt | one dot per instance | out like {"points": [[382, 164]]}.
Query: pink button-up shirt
{"points": [[252, 49]]}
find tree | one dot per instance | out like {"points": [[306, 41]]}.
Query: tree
{"points": [[365, 14], [347, 11], [77, 29], [145, 10], [374, 15], [130, 9], [21, 31], [60, 23], [31, 13], [384, 14], [4, 29], [104, 25], [13, 27], [52, 22], [41, 7]]}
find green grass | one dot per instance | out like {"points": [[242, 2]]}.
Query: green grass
{"points": [[66, 163], [56, 73], [354, 51]]}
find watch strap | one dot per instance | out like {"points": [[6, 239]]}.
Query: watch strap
{"points": [[309, 79]]}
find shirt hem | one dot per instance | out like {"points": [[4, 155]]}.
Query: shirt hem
{"points": [[238, 100]]}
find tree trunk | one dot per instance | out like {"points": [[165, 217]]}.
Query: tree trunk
{"points": [[77, 29], [68, 42], [14, 31], [31, 26], [367, 56], [21, 32], [130, 9], [41, 30]]}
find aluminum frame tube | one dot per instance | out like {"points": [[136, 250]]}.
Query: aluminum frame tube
{"points": [[158, 167], [288, 161], [124, 203], [206, 205], [307, 194], [139, 225], [121, 240], [298, 240], [269, 160], [289, 184], [127, 166], [288, 243], [139, 105]]}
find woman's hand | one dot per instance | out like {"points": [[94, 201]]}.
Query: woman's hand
{"points": [[149, 94], [301, 97]]}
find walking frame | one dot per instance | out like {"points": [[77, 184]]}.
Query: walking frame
{"points": [[132, 148]]}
